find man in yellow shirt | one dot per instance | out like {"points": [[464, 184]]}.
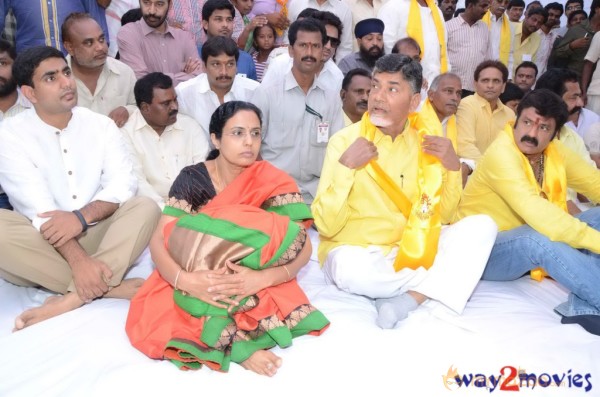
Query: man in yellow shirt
{"points": [[480, 117], [526, 41], [521, 182], [386, 188]]}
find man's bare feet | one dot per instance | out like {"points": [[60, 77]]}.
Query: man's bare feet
{"points": [[263, 362], [125, 290], [52, 307]]}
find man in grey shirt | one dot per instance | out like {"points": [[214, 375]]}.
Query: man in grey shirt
{"points": [[369, 35], [299, 114]]}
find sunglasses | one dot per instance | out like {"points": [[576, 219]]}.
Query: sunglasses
{"points": [[335, 42]]}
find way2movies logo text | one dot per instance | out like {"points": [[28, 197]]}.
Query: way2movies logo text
{"points": [[513, 379]]}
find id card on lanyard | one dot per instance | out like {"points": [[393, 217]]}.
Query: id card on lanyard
{"points": [[322, 126]]}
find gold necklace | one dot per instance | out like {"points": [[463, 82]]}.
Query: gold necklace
{"points": [[539, 175]]}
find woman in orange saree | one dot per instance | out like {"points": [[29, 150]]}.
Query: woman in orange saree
{"points": [[227, 249]]}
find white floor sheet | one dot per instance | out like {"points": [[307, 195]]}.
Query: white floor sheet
{"points": [[511, 324]]}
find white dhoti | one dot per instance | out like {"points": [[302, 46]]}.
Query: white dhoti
{"points": [[463, 251]]}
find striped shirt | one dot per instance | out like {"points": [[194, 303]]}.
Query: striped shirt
{"points": [[260, 67], [467, 47]]}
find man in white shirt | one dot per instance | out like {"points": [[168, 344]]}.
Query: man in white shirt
{"points": [[329, 74], [12, 102], [339, 8], [501, 32], [426, 26], [299, 114], [160, 140], [75, 229], [104, 84], [202, 95]]}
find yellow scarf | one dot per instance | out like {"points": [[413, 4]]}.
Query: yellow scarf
{"points": [[554, 186], [505, 36], [428, 112], [419, 242], [414, 29]]}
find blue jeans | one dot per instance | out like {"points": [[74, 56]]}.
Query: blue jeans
{"points": [[4, 204], [522, 249]]}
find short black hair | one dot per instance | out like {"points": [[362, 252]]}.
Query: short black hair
{"points": [[469, 2], [547, 104], [595, 4], [491, 64], [554, 80], [6, 46], [306, 25], [70, 20], [329, 18], [222, 114], [515, 3], [308, 13], [580, 2], [411, 70], [144, 87], [133, 15], [527, 64], [575, 13], [538, 11], [215, 46], [27, 62], [213, 5], [511, 92], [555, 6], [350, 75]]}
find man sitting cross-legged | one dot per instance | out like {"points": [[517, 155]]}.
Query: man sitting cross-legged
{"points": [[387, 185], [75, 229]]}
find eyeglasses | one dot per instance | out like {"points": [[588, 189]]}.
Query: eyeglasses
{"points": [[335, 42], [573, 7], [239, 134]]}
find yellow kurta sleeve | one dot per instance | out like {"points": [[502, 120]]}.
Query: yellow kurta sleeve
{"points": [[466, 125], [451, 193], [500, 188]]}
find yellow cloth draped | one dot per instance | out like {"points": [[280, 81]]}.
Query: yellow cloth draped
{"points": [[414, 29], [419, 242], [554, 186], [284, 13], [505, 36], [428, 112]]}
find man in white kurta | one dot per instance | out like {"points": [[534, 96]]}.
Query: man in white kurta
{"points": [[395, 16], [161, 141], [76, 228]]}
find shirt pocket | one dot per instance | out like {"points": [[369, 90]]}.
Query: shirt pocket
{"points": [[280, 137]]}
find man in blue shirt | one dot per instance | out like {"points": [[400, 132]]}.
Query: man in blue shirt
{"points": [[39, 22]]}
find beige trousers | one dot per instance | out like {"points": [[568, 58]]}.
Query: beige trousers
{"points": [[27, 259]]}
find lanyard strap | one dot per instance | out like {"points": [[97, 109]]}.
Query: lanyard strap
{"points": [[313, 112]]}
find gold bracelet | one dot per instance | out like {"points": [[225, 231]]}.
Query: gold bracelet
{"points": [[177, 279], [289, 277]]}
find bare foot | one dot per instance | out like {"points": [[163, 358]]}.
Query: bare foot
{"points": [[263, 362], [125, 290], [52, 307]]}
